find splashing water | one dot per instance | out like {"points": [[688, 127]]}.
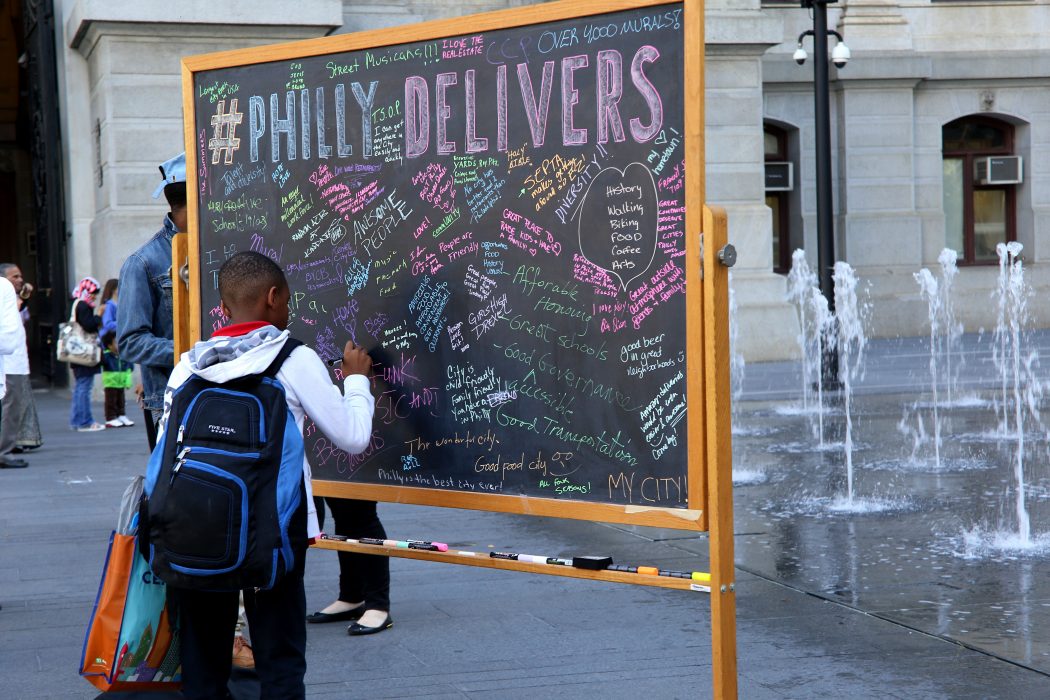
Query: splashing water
{"points": [[737, 363], [815, 322], [1008, 254], [851, 341], [951, 327], [800, 284], [929, 290], [824, 341], [1012, 297], [979, 543]]}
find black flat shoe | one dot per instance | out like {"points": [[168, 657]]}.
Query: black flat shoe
{"points": [[352, 614], [356, 628], [13, 463]]}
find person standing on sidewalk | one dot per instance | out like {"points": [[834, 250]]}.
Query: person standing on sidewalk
{"points": [[20, 427], [364, 579], [85, 295], [116, 379], [108, 308], [10, 323], [116, 373], [145, 327]]}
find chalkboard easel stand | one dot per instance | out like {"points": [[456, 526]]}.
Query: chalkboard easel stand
{"points": [[709, 485]]}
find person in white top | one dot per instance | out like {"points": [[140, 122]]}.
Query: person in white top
{"points": [[19, 427], [12, 336]]}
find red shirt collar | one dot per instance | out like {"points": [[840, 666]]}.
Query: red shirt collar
{"points": [[238, 329]]}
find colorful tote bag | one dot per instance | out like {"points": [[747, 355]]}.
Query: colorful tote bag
{"points": [[132, 640]]}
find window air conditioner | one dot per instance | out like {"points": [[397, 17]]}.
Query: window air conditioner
{"points": [[780, 176], [998, 170]]}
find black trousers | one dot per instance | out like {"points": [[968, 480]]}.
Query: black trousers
{"points": [[115, 403], [277, 619], [361, 576]]}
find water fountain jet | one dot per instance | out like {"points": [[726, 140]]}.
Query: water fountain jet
{"points": [[850, 342], [929, 290]]}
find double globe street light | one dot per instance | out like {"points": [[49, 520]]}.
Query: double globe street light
{"points": [[840, 55]]}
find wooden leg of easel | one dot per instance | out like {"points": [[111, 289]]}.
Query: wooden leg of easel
{"points": [[719, 457], [723, 623]]}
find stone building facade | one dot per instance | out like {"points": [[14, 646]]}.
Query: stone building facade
{"points": [[932, 89], [921, 72]]}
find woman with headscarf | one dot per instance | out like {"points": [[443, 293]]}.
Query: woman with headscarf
{"points": [[85, 294]]}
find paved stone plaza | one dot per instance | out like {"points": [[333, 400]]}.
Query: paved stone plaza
{"points": [[805, 629]]}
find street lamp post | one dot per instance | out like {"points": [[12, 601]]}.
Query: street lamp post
{"points": [[822, 125]]}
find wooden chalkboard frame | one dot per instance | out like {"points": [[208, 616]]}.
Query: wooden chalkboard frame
{"points": [[698, 315], [709, 469]]}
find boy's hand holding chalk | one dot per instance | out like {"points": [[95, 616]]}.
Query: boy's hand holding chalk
{"points": [[355, 360]]}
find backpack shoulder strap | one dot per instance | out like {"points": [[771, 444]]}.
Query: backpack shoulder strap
{"points": [[275, 366]]}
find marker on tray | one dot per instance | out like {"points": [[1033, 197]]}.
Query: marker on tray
{"points": [[438, 546], [504, 555], [406, 544], [428, 546]]}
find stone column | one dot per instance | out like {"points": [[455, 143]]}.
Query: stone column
{"points": [[122, 106], [874, 25], [738, 34]]}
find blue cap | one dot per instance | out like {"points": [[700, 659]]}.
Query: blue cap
{"points": [[171, 171]]}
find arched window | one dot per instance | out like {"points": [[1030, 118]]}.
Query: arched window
{"points": [[778, 190], [976, 216]]}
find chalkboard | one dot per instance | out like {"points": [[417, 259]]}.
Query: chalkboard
{"points": [[499, 216]]}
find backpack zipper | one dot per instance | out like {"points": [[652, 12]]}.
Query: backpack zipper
{"points": [[179, 461]]}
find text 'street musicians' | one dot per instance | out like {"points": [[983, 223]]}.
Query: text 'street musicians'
{"points": [[499, 218]]}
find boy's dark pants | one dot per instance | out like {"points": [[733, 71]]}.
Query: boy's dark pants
{"points": [[277, 620]]}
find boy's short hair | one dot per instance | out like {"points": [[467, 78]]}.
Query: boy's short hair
{"points": [[247, 276], [108, 337]]}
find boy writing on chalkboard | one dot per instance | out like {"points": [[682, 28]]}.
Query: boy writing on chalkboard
{"points": [[254, 295]]}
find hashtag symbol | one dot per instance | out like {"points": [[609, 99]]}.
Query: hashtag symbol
{"points": [[224, 122]]}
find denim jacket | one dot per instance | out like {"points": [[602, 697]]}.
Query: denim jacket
{"points": [[145, 327]]}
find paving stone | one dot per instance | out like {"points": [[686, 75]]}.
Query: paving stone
{"points": [[466, 632]]}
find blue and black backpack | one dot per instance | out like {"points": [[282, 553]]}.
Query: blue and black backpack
{"points": [[224, 505]]}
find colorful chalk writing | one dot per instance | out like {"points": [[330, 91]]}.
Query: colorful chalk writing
{"points": [[500, 219]]}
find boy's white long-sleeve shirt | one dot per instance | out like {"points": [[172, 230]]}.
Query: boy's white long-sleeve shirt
{"points": [[344, 417]]}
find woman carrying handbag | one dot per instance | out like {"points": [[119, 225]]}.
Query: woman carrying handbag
{"points": [[85, 294]]}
